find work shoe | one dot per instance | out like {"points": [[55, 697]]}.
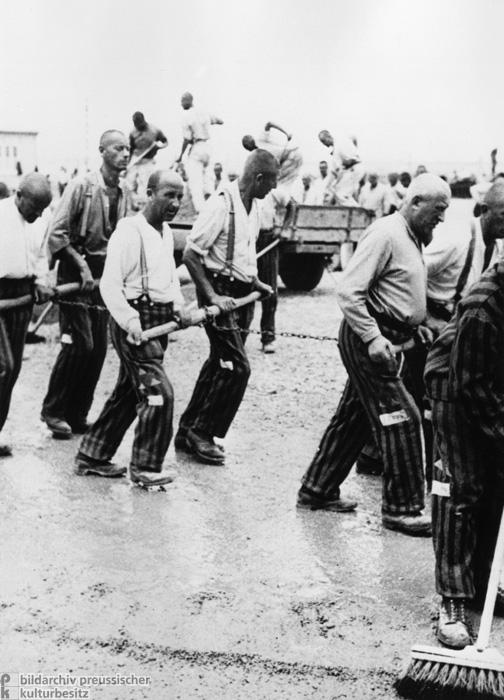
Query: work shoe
{"points": [[5, 451], [269, 348], [416, 524], [336, 505], [98, 467], [79, 427], [58, 427], [453, 628], [180, 441], [204, 448], [147, 478]]}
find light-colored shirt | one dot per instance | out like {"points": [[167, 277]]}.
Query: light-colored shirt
{"points": [[196, 124], [66, 223], [286, 152], [273, 208], [317, 189], [374, 198], [445, 258], [209, 235], [23, 245], [122, 274], [388, 272]]}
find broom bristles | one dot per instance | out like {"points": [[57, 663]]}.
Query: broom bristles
{"points": [[435, 674]]}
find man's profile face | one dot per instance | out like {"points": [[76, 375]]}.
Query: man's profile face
{"points": [[264, 184], [186, 102], [326, 138], [492, 220], [428, 212], [115, 154]]}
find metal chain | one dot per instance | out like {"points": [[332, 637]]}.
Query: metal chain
{"points": [[210, 319]]}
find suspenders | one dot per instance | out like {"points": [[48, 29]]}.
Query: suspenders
{"points": [[231, 233]]}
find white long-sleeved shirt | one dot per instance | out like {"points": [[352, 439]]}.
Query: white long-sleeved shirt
{"points": [[23, 245], [122, 276], [209, 235]]}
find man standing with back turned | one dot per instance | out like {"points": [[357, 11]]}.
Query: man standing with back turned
{"points": [[220, 256], [383, 299], [196, 132], [83, 223]]}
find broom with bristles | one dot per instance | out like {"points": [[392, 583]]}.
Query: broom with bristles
{"points": [[473, 672]]}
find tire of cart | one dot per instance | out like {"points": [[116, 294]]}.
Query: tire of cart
{"points": [[301, 272]]}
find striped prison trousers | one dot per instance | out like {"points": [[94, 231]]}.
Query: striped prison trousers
{"points": [[267, 271], [374, 395], [79, 363], [142, 391], [224, 376], [13, 328], [467, 502]]}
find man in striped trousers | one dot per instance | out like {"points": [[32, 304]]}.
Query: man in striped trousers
{"points": [[82, 225], [382, 295], [23, 272], [221, 258], [464, 377], [140, 288]]}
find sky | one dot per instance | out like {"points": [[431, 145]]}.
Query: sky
{"points": [[414, 80]]}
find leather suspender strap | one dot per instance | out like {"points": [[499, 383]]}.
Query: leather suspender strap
{"points": [[143, 269], [231, 232], [85, 213], [462, 280]]}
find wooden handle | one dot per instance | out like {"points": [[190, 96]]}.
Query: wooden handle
{"points": [[491, 594], [61, 290], [196, 317]]}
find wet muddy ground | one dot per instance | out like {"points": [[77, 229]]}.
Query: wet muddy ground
{"points": [[218, 588]]}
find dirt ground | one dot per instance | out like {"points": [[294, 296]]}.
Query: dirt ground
{"points": [[218, 588]]}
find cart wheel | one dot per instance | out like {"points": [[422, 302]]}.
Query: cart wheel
{"points": [[301, 272]]}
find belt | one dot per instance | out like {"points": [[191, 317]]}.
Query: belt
{"points": [[224, 284], [197, 140], [392, 323]]}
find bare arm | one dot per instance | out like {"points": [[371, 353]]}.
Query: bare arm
{"points": [[274, 125], [193, 262], [69, 254], [185, 144]]}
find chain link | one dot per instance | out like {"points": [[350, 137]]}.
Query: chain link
{"points": [[210, 319]]}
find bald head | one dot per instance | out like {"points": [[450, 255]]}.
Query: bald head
{"points": [[259, 173], [109, 137], [164, 178], [427, 186], [33, 196], [186, 100], [492, 212], [165, 190], [425, 203], [248, 142], [326, 138]]}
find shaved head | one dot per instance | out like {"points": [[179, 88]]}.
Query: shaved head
{"points": [[186, 100], [33, 196], [261, 162], [427, 186], [37, 186], [164, 178], [495, 194], [248, 142], [109, 137]]}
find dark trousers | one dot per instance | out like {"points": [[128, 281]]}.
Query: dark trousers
{"points": [[466, 519], [267, 271], [224, 376], [13, 328], [142, 391], [79, 363], [374, 396]]}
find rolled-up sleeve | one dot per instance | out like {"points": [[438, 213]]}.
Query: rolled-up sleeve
{"points": [[65, 216], [365, 267], [208, 225]]}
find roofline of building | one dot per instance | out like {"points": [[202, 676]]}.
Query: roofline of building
{"points": [[23, 131]]}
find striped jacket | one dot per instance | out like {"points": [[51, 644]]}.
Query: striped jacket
{"points": [[466, 363]]}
